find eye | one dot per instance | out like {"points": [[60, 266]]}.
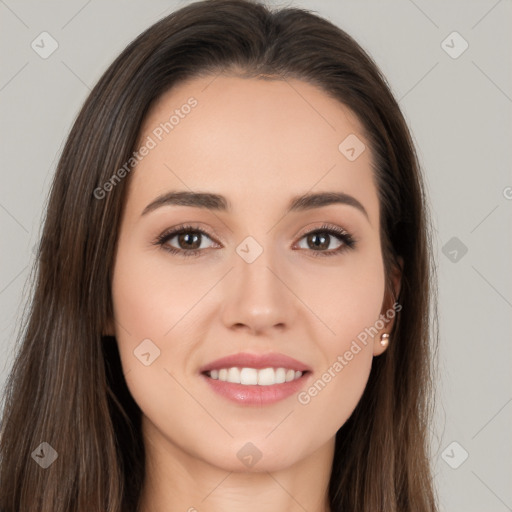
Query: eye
{"points": [[188, 239], [321, 239]]}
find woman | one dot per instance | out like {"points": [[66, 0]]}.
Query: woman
{"points": [[232, 303]]}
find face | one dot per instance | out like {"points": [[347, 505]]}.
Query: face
{"points": [[248, 274]]}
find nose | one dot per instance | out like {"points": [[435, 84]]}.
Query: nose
{"points": [[258, 297]]}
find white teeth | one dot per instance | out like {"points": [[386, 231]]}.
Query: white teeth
{"points": [[234, 375], [248, 376], [280, 375], [266, 376], [252, 376]]}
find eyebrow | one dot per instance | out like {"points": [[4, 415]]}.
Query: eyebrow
{"points": [[217, 202]]}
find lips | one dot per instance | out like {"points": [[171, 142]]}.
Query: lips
{"points": [[257, 361], [245, 378]]}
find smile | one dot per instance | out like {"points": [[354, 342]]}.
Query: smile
{"points": [[255, 387]]}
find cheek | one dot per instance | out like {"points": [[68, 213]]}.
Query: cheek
{"points": [[349, 303], [148, 304], [347, 298], [331, 397], [150, 296], [340, 381], [143, 317], [155, 307]]}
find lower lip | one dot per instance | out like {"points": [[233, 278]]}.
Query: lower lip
{"points": [[256, 395]]}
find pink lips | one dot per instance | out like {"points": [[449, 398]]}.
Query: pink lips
{"points": [[254, 394]]}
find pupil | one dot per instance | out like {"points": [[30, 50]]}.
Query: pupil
{"points": [[186, 238], [324, 244]]}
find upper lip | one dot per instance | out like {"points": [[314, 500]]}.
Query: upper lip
{"points": [[257, 361]]}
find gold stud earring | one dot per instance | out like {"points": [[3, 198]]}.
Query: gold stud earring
{"points": [[384, 339]]}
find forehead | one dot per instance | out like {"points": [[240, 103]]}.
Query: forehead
{"points": [[251, 140]]}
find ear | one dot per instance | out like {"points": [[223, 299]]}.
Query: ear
{"points": [[390, 308]]}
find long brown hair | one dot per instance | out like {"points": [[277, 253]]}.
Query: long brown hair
{"points": [[67, 388]]}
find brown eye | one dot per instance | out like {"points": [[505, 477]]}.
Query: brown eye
{"points": [[188, 241], [319, 241]]}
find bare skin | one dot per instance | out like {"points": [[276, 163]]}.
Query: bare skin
{"points": [[258, 143]]}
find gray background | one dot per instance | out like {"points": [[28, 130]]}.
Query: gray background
{"points": [[459, 111]]}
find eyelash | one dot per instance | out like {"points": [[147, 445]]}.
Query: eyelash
{"points": [[349, 242]]}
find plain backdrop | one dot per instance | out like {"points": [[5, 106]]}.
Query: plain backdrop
{"points": [[449, 65]]}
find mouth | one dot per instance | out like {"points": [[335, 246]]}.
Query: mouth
{"points": [[257, 387], [256, 379]]}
